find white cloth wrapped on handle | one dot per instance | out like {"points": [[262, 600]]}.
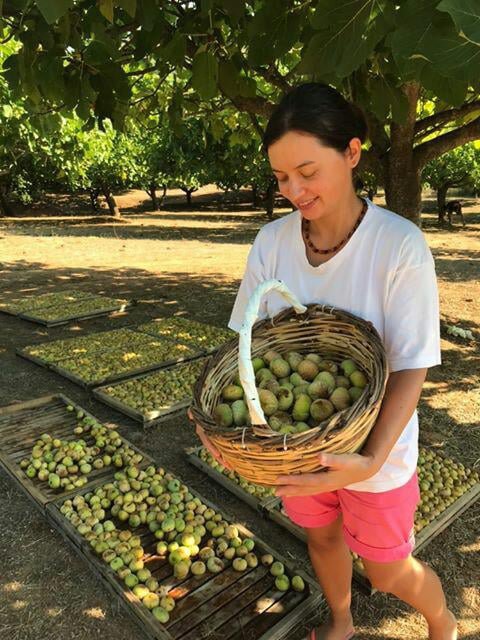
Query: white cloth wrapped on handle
{"points": [[245, 367]]}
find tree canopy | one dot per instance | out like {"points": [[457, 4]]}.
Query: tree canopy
{"points": [[413, 66]]}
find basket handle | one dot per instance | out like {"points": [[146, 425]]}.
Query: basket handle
{"points": [[245, 367]]}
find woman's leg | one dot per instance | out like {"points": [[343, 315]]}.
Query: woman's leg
{"points": [[332, 562], [418, 585]]}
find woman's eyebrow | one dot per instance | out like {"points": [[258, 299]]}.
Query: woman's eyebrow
{"points": [[303, 164]]}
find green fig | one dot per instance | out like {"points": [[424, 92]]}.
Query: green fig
{"points": [[268, 401], [264, 375], [301, 389], [293, 358], [326, 378], [280, 368], [321, 409], [343, 381], [296, 379], [348, 367], [301, 408], [358, 379], [258, 363], [355, 393], [314, 357], [223, 415], [300, 427], [240, 413], [308, 370], [271, 385], [279, 419], [340, 398], [232, 392], [271, 355], [330, 366], [285, 398], [317, 389]]}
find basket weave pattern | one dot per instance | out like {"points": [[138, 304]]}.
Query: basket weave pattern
{"points": [[260, 454]]}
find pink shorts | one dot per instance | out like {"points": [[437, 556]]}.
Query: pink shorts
{"points": [[376, 526]]}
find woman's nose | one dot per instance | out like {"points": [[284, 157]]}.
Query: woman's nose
{"points": [[295, 189]]}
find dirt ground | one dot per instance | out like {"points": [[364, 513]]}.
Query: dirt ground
{"points": [[190, 262]]}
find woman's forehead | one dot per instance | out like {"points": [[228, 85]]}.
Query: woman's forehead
{"points": [[294, 150]]}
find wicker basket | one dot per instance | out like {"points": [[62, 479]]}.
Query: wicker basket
{"points": [[257, 452]]}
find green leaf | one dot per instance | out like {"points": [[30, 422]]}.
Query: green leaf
{"points": [[130, 6], [451, 91], [106, 9], [349, 32], [275, 25], [385, 99], [450, 53], [466, 15], [7, 111], [52, 10], [205, 74], [175, 50], [235, 9]]}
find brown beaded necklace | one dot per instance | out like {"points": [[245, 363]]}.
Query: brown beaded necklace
{"points": [[306, 232]]}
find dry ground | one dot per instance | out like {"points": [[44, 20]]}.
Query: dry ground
{"points": [[190, 262]]}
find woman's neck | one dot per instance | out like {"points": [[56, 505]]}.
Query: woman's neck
{"points": [[332, 228]]}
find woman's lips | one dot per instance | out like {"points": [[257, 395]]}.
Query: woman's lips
{"points": [[307, 204]]}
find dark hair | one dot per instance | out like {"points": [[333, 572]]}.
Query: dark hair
{"points": [[320, 111]]}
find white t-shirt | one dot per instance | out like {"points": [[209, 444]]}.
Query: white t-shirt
{"points": [[384, 274]]}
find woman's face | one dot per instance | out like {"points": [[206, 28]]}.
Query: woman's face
{"points": [[315, 178]]}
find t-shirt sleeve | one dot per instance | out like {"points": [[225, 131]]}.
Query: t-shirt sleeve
{"points": [[253, 276], [412, 319]]}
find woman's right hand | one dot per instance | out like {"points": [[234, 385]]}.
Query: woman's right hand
{"points": [[207, 443]]}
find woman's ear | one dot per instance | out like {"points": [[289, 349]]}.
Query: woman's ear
{"points": [[353, 152]]}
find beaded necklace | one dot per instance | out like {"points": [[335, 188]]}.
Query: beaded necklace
{"points": [[306, 232]]}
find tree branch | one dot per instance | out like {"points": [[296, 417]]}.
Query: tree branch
{"points": [[272, 75], [443, 117], [258, 106], [448, 141]]}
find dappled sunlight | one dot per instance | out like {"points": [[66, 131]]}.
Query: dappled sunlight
{"points": [[95, 612], [12, 587]]}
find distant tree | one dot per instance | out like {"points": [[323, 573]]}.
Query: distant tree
{"points": [[453, 169]]}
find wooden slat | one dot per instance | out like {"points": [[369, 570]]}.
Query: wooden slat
{"points": [[20, 428], [199, 600], [256, 619], [193, 457], [147, 420], [31, 317], [214, 613]]}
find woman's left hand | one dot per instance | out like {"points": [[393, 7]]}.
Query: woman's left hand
{"points": [[341, 470]]}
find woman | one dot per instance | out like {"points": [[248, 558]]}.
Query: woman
{"points": [[342, 251]]}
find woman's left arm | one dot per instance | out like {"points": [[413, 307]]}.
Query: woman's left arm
{"points": [[401, 397]]}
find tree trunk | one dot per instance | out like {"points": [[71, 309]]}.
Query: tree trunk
{"points": [[111, 202], [403, 188], [5, 208], [94, 193], [152, 192], [270, 199], [441, 201], [254, 195], [371, 194], [164, 193], [188, 193]]}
